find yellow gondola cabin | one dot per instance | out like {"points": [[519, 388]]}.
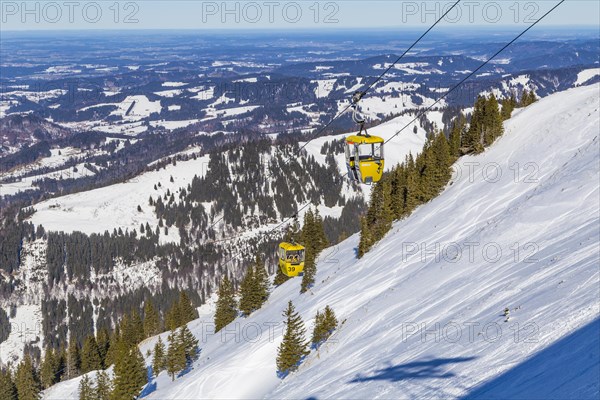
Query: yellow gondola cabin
{"points": [[364, 158], [291, 258]]}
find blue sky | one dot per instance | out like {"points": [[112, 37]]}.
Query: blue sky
{"points": [[286, 15]]}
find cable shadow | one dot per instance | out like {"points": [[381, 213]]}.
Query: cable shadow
{"points": [[434, 368]]}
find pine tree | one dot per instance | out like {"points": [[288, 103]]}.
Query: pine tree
{"points": [[441, 161], [457, 132], [48, 368], [473, 139], [173, 318], [104, 386], [293, 348], [115, 340], [8, 390], [365, 238], [151, 320], [226, 305], [26, 380], [73, 360], [189, 343], [158, 360], [175, 361], [135, 333], [247, 301], [130, 374], [325, 324], [187, 311], [261, 283], [508, 105], [86, 390], [493, 127], [90, 355], [280, 277], [308, 277], [103, 341]]}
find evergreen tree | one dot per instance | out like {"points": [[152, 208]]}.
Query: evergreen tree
{"points": [[293, 348], [48, 368], [73, 360], [314, 241], [26, 380], [508, 106], [261, 283], [86, 390], [226, 305], [365, 238], [175, 361], [135, 331], [173, 318], [493, 127], [90, 355], [280, 277], [325, 324], [151, 320], [189, 343], [457, 132], [158, 360], [130, 374], [8, 390], [103, 386], [115, 341], [308, 276], [247, 300], [103, 341], [473, 139], [441, 163], [187, 311]]}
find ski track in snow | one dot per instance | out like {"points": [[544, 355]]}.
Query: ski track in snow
{"points": [[388, 344]]}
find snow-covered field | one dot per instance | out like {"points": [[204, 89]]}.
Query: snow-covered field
{"points": [[586, 75], [115, 206], [518, 227]]}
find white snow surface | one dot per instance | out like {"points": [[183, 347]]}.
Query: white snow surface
{"points": [[421, 313], [586, 75], [115, 206]]}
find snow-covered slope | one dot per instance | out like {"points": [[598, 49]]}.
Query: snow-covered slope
{"points": [[422, 312]]}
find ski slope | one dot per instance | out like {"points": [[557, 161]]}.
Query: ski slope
{"points": [[422, 312]]}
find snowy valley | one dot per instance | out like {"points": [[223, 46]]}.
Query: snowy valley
{"points": [[421, 314]]}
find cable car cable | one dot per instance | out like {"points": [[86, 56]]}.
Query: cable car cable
{"points": [[362, 93], [474, 72]]}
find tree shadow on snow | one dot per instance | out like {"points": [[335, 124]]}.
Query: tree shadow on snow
{"points": [[151, 385], [434, 368]]}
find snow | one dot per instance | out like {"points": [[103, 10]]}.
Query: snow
{"points": [[142, 108], [171, 125], [26, 327], [324, 87], [521, 80], [203, 93], [212, 112], [169, 93], [27, 182], [115, 206], [174, 84], [586, 75], [421, 313], [389, 345], [248, 80]]}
